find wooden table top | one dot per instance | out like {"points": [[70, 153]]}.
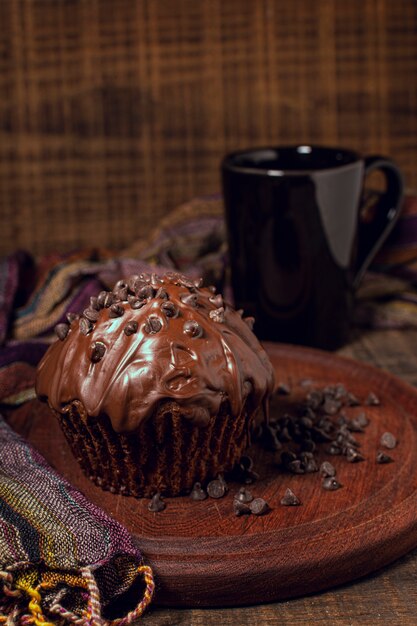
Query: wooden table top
{"points": [[387, 596]]}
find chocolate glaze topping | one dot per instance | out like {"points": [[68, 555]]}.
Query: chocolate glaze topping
{"points": [[181, 344]]}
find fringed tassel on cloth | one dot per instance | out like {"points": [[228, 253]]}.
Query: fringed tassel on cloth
{"points": [[23, 598]]}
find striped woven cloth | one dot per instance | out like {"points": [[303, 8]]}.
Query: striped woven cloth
{"points": [[61, 558]]}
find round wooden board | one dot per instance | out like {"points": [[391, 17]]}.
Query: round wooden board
{"points": [[203, 555]]}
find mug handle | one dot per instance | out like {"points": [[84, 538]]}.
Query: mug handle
{"points": [[375, 228]]}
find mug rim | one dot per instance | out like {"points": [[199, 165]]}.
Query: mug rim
{"points": [[229, 164]]}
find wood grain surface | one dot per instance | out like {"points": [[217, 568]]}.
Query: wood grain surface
{"points": [[112, 112], [205, 555], [386, 597]]}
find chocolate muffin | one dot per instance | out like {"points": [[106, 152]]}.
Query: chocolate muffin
{"points": [[156, 385]]}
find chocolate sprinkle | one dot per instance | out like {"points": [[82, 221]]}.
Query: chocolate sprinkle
{"points": [[116, 310], [259, 506], [198, 492], [290, 499], [98, 351], [156, 505], [388, 441], [85, 326], [61, 331], [131, 328]]}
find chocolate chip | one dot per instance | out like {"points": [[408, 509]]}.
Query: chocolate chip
{"points": [[330, 483], [94, 303], [283, 389], [295, 467], [216, 489], [351, 400], [121, 284], [98, 350], [311, 466], [116, 310], [120, 294], [287, 457], [162, 294], [101, 298], [135, 283], [327, 469], [71, 317], [216, 300], [212, 288], [135, 303], [108, 299], [217, 315], [243, 495], [314, 399], [240, 508], [269, 438], [192, 329], [372, 399], [250, 321], [190, 299], [197, 492], [334, 450], [388, 441], [131, 328], [169, 309], [353, 456], [85, 326], [146, 292], [157, 504], [61, 331], [331, 406], [290, 499], [153, 325], [382, 458], [91, 314], [259, 506], [223, 482], [246, 462], [361, 420], [185, 281], [198, 282]]}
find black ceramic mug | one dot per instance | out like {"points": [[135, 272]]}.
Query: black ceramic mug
{"points": [[298, 240]]}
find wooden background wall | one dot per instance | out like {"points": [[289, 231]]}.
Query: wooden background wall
{"points": [[114, 111]]}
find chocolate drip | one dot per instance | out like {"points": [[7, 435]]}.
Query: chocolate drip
{"points": [[166, 350]]}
